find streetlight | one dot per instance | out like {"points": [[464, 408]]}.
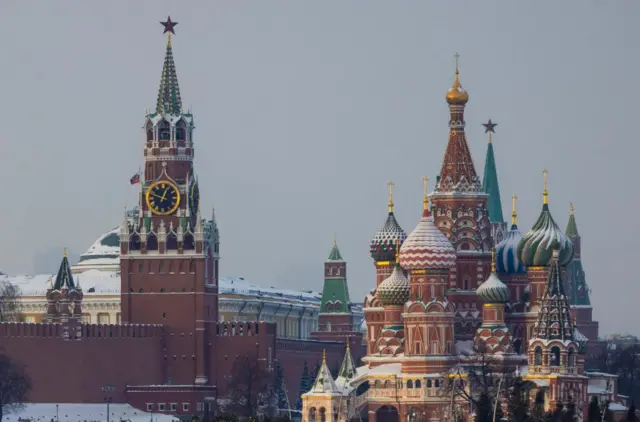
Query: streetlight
{"points": [[107, 388]]}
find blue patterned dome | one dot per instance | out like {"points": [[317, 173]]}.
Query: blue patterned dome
{"points": [[536, 247], [387, 240], [507, 257]]}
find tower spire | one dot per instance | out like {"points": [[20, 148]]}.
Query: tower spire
{"points": [[545, 192], [490, 184], [390, 196], [425, 199], [457, 169], [169, 100], [572, 226], [514, 214]]}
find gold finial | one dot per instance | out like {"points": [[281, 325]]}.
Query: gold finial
{"points": [[493, 260], [456, 94], [324, 356], [335, 240], [514, 214], [64, 253], [545, 192], [348, 345], [571, 209], [425, 200], [575, 321], [397, 251], [390, 196]]}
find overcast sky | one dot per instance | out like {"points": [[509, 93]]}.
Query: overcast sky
{"points": [[305, 109]]}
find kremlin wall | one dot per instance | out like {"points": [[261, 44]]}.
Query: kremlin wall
{"points": [[146, 312]]}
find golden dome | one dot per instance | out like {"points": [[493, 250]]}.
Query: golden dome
{"points": [[456, 94]]}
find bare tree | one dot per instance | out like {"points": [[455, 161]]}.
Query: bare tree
{"points": [[479, 380], [10, 303], [251, 389], [15, 385]]}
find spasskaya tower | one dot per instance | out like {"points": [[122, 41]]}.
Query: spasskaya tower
{"points": [[169, 253]]}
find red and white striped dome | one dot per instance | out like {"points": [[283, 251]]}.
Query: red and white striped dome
{"points": [[426, 247]]}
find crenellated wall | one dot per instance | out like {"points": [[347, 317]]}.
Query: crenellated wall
{"points": [[65, 371]]}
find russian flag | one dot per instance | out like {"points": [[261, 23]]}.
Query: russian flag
{"points": [[135, 179]]}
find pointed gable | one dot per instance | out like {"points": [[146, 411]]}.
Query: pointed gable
{"points": [[348, 367], [324, 383]]}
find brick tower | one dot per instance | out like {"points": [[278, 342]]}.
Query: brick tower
{"points": [[335, 321], [460, 211], [64, 302], [169, 255]]}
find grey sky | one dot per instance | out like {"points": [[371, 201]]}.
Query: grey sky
{"points": [[305, 109]]}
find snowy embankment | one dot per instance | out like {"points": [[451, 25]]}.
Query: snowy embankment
{"points": [[68, 412]]}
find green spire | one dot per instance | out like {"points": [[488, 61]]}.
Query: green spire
{"points": [[169, 101], [572, 227], [490, 186], [64, 279], [348, 368], [335, 254]]}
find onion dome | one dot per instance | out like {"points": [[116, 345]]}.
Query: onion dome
{"points": [[537, 246], [507, 257], [493, 290], [456, 95], [426, 246], [394, 290], [384, 243]]}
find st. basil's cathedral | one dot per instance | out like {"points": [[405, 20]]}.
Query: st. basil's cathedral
{"points": [[462, 289]]}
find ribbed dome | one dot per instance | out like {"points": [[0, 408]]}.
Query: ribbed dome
{"points": [[536, 247], [456, 95], [383, 245], [394, 290], [426, 247], [507, 257], [493, 290]]}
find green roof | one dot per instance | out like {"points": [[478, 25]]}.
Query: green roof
{"points": [[490, 187], [335, 254], [169, 101], [336, 292], [572, 227]]}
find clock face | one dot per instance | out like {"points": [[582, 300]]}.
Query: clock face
{"points": [[194, 198], [163, 197]]}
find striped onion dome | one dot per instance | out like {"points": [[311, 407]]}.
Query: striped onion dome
{"points": [[493, 290], [507, 257], [536, 247], [394, 290], [384, 243], [426, 247]]}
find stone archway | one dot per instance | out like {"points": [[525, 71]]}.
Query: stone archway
{"points": [[387, 414]]}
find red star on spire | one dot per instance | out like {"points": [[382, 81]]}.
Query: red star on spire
{"points": [[168, 25]]}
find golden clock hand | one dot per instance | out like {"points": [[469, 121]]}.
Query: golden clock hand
{"points": [[164, 194]]}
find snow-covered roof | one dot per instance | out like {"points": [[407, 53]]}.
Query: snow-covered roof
{"points": [[107, 245], [71, 412], [238, 285]]}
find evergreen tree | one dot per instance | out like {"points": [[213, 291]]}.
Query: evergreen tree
{"points": [[280, 388], [594, 414], [518, 405], [631, 414], [305, 384], [484, 409]]}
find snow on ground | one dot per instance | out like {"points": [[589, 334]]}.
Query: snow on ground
{"points": [[69, 412]]}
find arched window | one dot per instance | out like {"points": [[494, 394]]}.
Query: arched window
{"points": [[152, 242], [181, 133], [410, 384], [555, 356], [418, 384], [172, 242], [537, 356], [149, 133], [387, 384], [323, 414], [312, 414], [188, 244], [571, 355], [429, 384], [134, 242], [164, 129], [437, 383], [377, 384]]}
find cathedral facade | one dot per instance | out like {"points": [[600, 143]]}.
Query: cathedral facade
{"points": [[460, 290]]}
